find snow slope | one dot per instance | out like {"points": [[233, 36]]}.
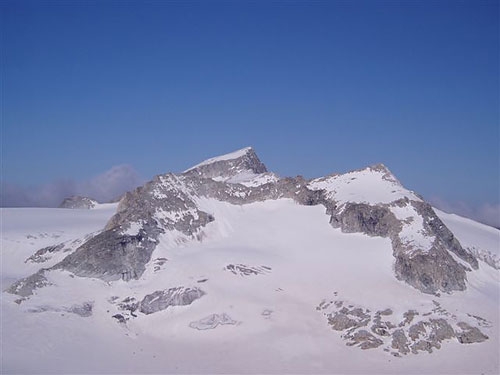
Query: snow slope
{"points": [[265, 268], [250, 179], [26, 230], [372, 185], [482, 240]]}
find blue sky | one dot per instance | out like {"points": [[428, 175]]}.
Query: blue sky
{"points": [[92, 88]]}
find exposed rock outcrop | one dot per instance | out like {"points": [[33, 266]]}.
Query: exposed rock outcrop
{"points": [[26, 286], [358, 326], [230, 165], [77, 201], [42, 255], [469, 334], [162, 299], [363, 218], [112, 255], [424, 253]]}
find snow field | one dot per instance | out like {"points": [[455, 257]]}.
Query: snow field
{"points": [[363, 186], [279, 329]]}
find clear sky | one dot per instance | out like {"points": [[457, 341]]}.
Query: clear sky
{"points": [[92, 89]]}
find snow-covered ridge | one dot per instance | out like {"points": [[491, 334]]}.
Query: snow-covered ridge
{"points": [[480, 239], [230, 156], [373, 185]]}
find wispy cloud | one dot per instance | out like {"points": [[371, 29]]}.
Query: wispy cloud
{"points": [[111, 184], [487, 213], [103, 187]]}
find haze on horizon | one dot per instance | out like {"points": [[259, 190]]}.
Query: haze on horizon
{"points": [[99, 97]]}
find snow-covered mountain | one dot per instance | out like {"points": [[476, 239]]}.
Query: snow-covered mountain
{"points": [[227, 267]]}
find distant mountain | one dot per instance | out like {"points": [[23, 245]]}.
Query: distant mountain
{"points": [[77, 201], [371, 259]]}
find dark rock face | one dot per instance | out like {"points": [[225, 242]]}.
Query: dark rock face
{"points": [[427, 335], [431, 270], [129, 307], [162, 299], [120, 318], [112, 256], [416, 330], [363, 218], [382, 328], [365, 340], [440, 330], [42, 255], [78, 202], [434, 270], [408, 317], [26, 286], [445, 237], [346, 319], [166, 202], [400, 341], [430, 273], [470, 334], [248, 161]]}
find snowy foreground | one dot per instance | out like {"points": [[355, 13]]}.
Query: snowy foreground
{"points": [[269, 271]]}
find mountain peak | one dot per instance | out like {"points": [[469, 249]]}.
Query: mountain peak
{"points": [[379, 167], [229, 156], [229, 165], [384, 170], [374, 184]]}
